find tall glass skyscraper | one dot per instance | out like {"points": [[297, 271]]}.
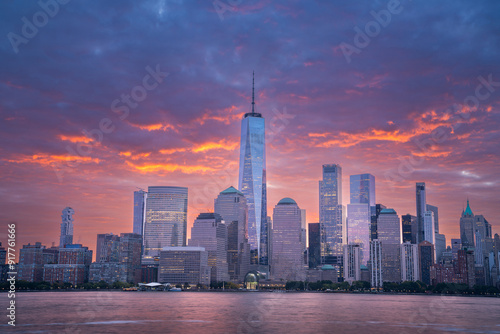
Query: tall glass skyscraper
{"points": [[421, 209], [252, 181], [362, 188], [166, 219], [359, 213], [331, 215], [139, 211]]}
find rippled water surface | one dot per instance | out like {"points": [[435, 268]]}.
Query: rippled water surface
{"points": [[248, 312]]}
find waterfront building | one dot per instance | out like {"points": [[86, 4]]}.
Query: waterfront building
{"points": [[409, 262], [376, 269], [166, 220], [435, 211], [374, 217], [180, 265], [426, 260], [72, 267], [352, 262], [231, 205], [421, 209], [288, 256], [389, 236], [210, 232], [429, 233]]}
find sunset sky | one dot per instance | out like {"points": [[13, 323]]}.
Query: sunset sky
{"points": [[406, 106]]}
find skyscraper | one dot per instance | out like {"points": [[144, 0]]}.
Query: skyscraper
{"points": [[166, 220], [331, 216], [210, 232], [426, 260], [252, 181], [409, 228], [421, 209], [389, 235], [352, 263], [373, 227], [362, 188], [429, 234], [358, 229], [66, 227], [314, 245], [435, 210], [139, 211], [288, 247], [409, 262], [231, 205], [467, 227]]}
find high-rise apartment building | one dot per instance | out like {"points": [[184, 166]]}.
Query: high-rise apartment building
{"points": [[66, 237], [409, 262]]}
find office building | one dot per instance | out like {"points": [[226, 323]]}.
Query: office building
{"points": [[374, 217], [72, 267], [421, 209], [409, 228], [359, 228], [231, 205], [252, 181], [166, 220], [467, 227], [331, 216], [180, 265], [376, 268], [314, 245], [288, 257], [140, 197], [210, 232], [389, 235], [426, 260]]}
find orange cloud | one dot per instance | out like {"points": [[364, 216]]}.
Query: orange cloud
{"points": [[76, 139], [155, 127], [172, 150], [49, 159], [226, 116], [159, 167], [221, 144]]}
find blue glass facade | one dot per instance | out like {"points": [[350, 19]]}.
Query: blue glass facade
{"points": [[139, 208], [252, 183], [331, 215]]}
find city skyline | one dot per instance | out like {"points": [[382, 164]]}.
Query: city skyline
{"points": [[319, 109]]}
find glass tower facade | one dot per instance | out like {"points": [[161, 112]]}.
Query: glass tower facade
{"points": [[362, 188], [166, 219], [139, 210], [288, 242], [421, 209], [331, 215], [252, 182]]}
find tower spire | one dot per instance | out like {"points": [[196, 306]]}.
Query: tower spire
{"points": [[253, 90]]}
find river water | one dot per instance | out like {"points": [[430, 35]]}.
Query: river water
{"points": [[248, 312]]}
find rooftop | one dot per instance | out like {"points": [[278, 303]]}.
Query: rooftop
{"points": [[287, 201]]}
